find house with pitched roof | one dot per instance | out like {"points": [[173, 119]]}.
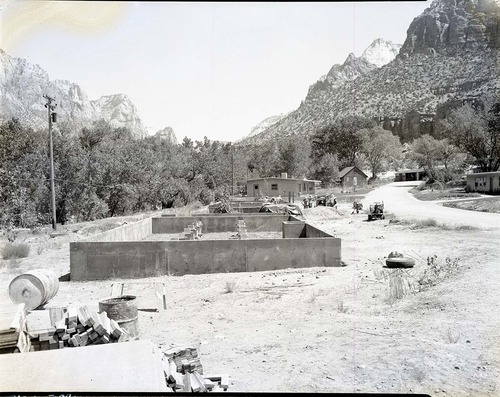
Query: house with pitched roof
{"points": [[352, 178]]}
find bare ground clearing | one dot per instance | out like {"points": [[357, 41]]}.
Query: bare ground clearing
{"points": [[324, 329], [489, 204]]}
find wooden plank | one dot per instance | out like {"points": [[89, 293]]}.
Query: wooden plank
{"points": [[72, 314], [179, 380], [90, 318], [196, 385], [116, 289], [106, 324], [224, 381], [37, 320], [82, 317], [186, 378], [202, 381], [56, 314]]}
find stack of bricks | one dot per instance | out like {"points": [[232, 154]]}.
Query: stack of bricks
{"points": [[184, 372], [77, 327], [242, 230]]}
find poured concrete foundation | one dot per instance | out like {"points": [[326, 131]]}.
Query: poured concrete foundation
{"points": [[302, 245]]}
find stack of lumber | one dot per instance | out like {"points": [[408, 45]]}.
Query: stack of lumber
{"points": [[185, 358], [13, 336], [72, 328], [184, 372], [192, 381]]}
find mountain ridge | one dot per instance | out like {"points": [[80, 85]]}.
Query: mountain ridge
{"points": [[436, 69], [23, 84]]}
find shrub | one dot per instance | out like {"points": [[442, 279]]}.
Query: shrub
{"points": [[468, 189], [436, 271], [230, 286], [429, 222], [13, 250]]}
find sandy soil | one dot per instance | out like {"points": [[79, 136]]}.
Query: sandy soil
{"points": [[328, 329]]}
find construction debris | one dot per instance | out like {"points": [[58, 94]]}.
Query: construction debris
{"points": [[184, 372], [13, 336], [242, 230], [75, 327], [192, 232]]}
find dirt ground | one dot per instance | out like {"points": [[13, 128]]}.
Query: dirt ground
{"points": [[489, 204], [322, 329]]}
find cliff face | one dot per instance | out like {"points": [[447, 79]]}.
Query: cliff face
{"points": [[22, 86], [449, 26], [441, 65], [167, 134]]}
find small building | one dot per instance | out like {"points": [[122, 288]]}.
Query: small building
{"points": [[352, 177], [486, 182], [283, 186], [410, 175]]}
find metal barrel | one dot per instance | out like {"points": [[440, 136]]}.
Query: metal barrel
{"points": [[123, 309], [33, 288]]}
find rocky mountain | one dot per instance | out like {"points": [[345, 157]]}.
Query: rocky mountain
{"points": [[381, 52], [265, 124], [22, 86], [167, 134], [377, 54], [450, 56]]}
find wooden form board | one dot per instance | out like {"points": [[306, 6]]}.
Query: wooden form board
{"points": [[119, 367]]}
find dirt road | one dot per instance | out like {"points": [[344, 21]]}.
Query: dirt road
{"points": [[398, 201]]}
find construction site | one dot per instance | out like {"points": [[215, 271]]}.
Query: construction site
{"points": [[251, 301]]}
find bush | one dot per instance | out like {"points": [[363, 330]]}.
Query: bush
{"points": [[429, 222], [13, 251], [436, 271], [468, 189]]}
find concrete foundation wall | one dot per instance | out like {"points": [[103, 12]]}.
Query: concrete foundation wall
{"points": [[312, 232], [126, 259], [102, 260], [220, 223], [135, 231], [293, 229]]}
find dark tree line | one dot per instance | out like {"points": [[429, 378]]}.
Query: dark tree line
{"points": [[103, 171]]}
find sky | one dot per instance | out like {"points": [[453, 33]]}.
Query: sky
{"points": [[204, 69]]}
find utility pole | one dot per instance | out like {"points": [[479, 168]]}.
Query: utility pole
{"points": [[52, 117], [232, 170]]}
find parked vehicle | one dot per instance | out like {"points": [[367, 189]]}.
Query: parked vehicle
{"points": [[376, 211]]}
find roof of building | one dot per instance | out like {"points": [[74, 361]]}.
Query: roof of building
{"points": [[346, 170], [490, 173], [282, 179], [408, 171]]}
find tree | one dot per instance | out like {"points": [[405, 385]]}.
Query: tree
{"points": [[327, 169], [293, 156], [424, 152], [477, 134], [340, 138], [379, 147]]}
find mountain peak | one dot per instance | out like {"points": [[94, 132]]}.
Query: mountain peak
{"points": [[22, 85], [350, 59], [380, 52]]}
